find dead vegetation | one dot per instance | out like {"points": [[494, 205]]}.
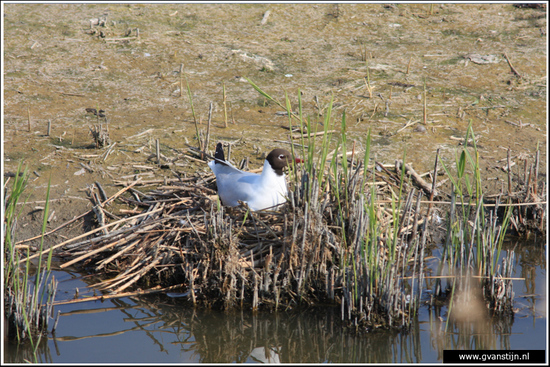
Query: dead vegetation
{"points": [[232, 257], [342, 241]]}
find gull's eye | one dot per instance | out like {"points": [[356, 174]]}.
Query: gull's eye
{"points": [[282, 157]]}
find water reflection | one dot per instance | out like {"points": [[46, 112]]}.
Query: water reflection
{"points": [[263, 355], [468, 334], [312, 336], [14, 353], [162, 329], [179, 333]]}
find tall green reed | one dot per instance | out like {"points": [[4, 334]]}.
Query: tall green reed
{"points": [[474, 234], [371, 259], [28, 300]]}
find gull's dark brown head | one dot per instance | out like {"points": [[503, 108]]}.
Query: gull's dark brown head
{"points": [[279, 159]]}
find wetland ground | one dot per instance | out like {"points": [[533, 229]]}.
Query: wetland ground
{"points": [[481, 62]]}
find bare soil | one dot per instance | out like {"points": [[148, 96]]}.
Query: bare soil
{"points": [[479, 63]]}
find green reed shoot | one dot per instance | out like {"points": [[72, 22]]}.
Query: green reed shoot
{"points": [[11, 217], [471, 249], [27, 307]]}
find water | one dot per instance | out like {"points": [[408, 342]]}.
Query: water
{"points": [[162, 329]]}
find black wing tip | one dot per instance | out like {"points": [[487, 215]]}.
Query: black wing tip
{"points": [[219, 153]]}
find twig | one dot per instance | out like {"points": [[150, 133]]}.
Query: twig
{"points": [[56, 229], [140, 134], [512, 66], [537, 158], [205, 147], [157, 148], [424, 107], [181, 80], [121, 191], [120, 295], [29, 118], [73, 94], [101, 192], [367, 82], [434, 179], [419, 180], [91, 232], [408, 124], [509, 174], [409, 65], [90, 253], [139, 274], [224, 106], [122, 39], [109, 151], [305, 136]]}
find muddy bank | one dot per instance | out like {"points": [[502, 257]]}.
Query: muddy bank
{"points": [[63, 58]]}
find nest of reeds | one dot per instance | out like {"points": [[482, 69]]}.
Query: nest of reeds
{"points": [[309, 252], [333, 243]]}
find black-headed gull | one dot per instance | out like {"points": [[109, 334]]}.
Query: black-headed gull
{"points": [[258, 191]]}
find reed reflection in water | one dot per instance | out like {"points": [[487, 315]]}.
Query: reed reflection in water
{"points": [[161, 329], [306, 336]]}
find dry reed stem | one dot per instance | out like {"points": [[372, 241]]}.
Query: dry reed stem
{"points": [[181, 80], [512, 66], [91, 253], [29, 118], [87, 234], [429, 189], [55, 229], [424, 106], [224, 106], [156, 289]]}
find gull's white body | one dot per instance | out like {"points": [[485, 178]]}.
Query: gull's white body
{"points": [[258, 191]]}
